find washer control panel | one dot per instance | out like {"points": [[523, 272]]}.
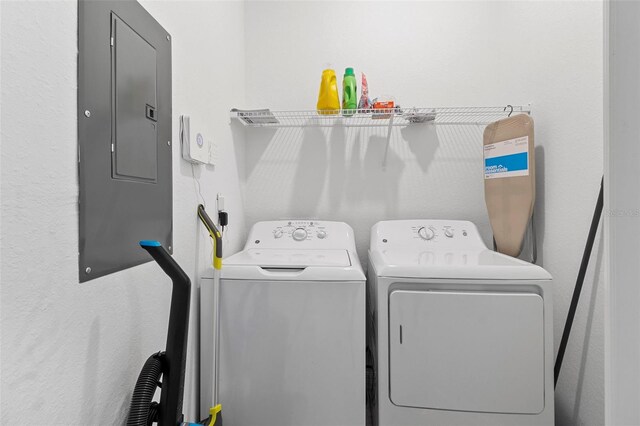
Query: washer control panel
{"points": [[429, 232], [412, 234], [301, 234], [300, 230]]}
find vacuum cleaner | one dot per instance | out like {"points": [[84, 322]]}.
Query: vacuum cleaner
{"points": [[170, 364]]}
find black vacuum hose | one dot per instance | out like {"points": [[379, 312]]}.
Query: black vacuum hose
{"points": [[141, 412]]}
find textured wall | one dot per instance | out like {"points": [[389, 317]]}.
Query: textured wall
{"points": [[71, 352], [440, 54]]}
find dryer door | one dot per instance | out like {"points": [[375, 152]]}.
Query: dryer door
{"points": [[467, 351]]}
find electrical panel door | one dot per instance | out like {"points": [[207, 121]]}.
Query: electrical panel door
{"points": [[135, 133], [124, 135]]}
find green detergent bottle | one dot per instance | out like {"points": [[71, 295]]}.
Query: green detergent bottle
{"points": [[349, 95]]}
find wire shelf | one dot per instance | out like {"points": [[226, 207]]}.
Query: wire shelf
{"points": [[377, 117]]}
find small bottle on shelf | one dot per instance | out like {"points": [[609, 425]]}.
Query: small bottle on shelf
{"points": [[349, 93], [328, 98]]}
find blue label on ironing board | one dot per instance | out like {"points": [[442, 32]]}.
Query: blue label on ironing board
{"points": [[507, 158]]}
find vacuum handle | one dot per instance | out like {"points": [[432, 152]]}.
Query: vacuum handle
{"points": [[167, 263], [215, 234], [175, 358]]}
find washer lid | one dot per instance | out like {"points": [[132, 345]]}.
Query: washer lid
{"points": [[289, 258], [289, 264], [454, 264]]}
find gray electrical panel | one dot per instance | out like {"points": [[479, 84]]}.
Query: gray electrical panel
{"points": [[124, 135]]}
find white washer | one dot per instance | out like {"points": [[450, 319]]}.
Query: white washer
{"points": [[292, 328], [462, 335]]}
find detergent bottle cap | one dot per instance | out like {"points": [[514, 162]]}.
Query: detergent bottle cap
{"points": [[348, 71]]}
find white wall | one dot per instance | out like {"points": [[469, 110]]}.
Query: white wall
{"points": [[71, 352], [440, 54], [621, 212]]}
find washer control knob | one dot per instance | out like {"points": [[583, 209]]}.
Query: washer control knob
{"points": [[448, 232], [322, 235], [299, 234], [426, 233], [277, 233]]}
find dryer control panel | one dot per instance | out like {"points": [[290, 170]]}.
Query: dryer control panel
{"points": [[301, 234], [418, 234]]}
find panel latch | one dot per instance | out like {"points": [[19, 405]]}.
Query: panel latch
{"points": [[152, 114]]}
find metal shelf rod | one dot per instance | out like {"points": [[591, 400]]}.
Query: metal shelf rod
{"points": [[377, 118]]}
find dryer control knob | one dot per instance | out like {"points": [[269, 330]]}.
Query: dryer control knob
{"points": [[321, 234], [300, 234], [426, 233], [277, 233], [448, 232]]}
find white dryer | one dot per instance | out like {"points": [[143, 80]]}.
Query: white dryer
{"points": [[292, 323], [462, 335]]}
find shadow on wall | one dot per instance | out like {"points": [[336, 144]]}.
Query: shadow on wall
{"points": [[538, 214], [564, 415], [93, 408], [337, 164], [238, 133], [309, 177], [89, 385], [337, 173], [260, 139], [587, 335], [379, 184], [540, 211], [423, 142], [315, 171]]}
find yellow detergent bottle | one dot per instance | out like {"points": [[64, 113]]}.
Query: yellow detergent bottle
{"points": [[328, 98]]}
